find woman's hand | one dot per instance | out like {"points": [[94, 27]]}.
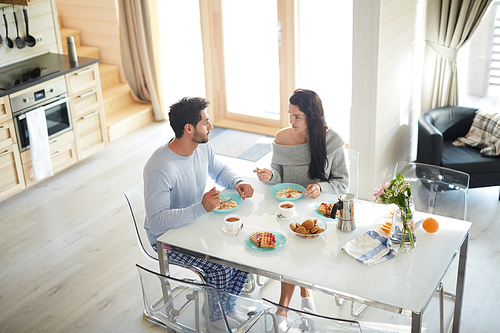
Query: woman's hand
{"points": [[313, 191], [264, 174]]}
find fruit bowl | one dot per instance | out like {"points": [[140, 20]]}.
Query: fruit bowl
{"points": [[308, 227]]}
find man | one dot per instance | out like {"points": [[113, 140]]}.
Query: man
{"points": [[175, 177]]}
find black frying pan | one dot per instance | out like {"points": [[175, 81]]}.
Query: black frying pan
{"points": [[19, 41], [9, 41], [30, 40]]}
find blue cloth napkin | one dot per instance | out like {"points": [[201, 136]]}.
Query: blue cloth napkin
{"points": [[370, 248]]}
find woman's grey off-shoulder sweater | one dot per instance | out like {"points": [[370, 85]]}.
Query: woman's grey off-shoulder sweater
{"points": [[290, 164]]}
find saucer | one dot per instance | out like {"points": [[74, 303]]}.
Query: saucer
{"points": [[286, 218], [228, 231]]}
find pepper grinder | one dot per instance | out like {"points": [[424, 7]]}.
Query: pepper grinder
{"points": [[73, 58]]}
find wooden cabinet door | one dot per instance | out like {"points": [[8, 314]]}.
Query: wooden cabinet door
{"points": [[90, 132], [11, 172]]}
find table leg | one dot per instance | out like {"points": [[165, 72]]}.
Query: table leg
{"points": [[462, 264], [416, 322], [163, 260]]}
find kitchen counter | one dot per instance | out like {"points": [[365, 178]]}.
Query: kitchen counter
{"points": [[51, 65]]}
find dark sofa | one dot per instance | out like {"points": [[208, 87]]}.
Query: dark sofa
{"points": [[438, 128]]}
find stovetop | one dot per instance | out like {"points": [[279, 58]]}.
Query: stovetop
{"points": [[28, 73], [23, 72]]}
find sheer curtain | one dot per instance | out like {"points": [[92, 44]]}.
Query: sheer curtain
{"points": [[450, 24], [137, 54]]}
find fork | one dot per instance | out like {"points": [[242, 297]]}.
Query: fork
{"points": [[223, 198]]}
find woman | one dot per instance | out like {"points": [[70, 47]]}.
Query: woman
{"points": [[310, 154]]}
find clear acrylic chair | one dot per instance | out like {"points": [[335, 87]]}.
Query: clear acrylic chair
{"points": [[440, 191], [305, 322], [135, 201], [436, 190], [191, 306], [352, 163]]}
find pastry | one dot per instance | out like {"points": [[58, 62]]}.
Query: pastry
{"points": [[307, 229], [268, 240], [256, 237]]}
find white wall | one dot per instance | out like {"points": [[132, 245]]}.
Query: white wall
{"points": [[42, 26], [387, 65]]}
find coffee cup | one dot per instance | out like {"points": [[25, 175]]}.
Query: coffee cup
{"points": [[287, 209], [232, 222]]}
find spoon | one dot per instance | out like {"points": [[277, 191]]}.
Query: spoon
{"points": [[237, 232], [19, 41], [30, 40], [9, 41]]}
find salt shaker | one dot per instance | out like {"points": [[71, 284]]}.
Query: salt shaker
{"points": [[73, 58]]}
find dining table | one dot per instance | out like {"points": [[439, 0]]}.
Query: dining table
{"points": [[404, 284]]}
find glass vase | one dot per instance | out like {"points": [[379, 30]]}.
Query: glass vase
{"points": [[403, 238]]}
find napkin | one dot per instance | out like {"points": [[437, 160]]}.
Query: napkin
{"points": [[39, 143], [370, 248]]}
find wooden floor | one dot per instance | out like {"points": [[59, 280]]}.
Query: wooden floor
{"points": [[68, 250]]}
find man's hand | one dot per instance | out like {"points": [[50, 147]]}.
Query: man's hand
{"points": [[245, 190], [313, 191], [211, 200]]}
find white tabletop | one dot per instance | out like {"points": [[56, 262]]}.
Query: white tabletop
{"points": [[405, 283]]}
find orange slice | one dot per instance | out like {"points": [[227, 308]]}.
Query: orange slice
{"points": [[385, 228]]}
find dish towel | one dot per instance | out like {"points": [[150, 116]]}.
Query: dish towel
{"points": [[370, 248], [39, 143]]}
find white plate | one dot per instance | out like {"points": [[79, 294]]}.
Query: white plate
{"points": [[228, 231], [286, 218]]}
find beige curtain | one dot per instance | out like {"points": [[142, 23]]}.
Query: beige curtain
{"points": [[454, 22], [137, 52]]}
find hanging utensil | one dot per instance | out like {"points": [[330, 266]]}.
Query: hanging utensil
{"points": [[30, 40], [9, 41], [19, 41]]}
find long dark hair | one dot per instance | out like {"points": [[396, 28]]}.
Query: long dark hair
{"points": [[309, 102]]}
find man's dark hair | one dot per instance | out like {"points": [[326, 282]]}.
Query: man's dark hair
{"points": [[186, 111]]}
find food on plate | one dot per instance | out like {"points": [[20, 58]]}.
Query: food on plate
{"points": [[223, 205], [268, 240], [288, 193], [264, 239], [256, 237], [326, 209], [430, 225], [309, 228], [386, 226]]}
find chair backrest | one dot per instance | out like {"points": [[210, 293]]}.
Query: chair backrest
{"points": [[299, 321], [188, 306], [352, 163], [436, 190], [135, 200]]}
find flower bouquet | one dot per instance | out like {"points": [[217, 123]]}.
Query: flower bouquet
{"points": [[397, 191]]}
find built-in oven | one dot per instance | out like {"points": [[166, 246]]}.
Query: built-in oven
{"points": [[53, 97]]}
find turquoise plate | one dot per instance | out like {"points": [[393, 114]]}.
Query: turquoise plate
{"points": [[280, 241], [284, 186], [235, 197], [322, 215]]}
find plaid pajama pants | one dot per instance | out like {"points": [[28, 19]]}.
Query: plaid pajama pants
{"points": [[224, 278]]}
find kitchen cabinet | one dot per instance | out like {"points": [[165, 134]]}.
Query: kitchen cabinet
{"points": [[21, 2], [62, 155], [5, 113], [85, 100], [11, 172]]}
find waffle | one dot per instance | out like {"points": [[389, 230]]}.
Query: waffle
{"points": [[256, 237], [268, 240]]}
